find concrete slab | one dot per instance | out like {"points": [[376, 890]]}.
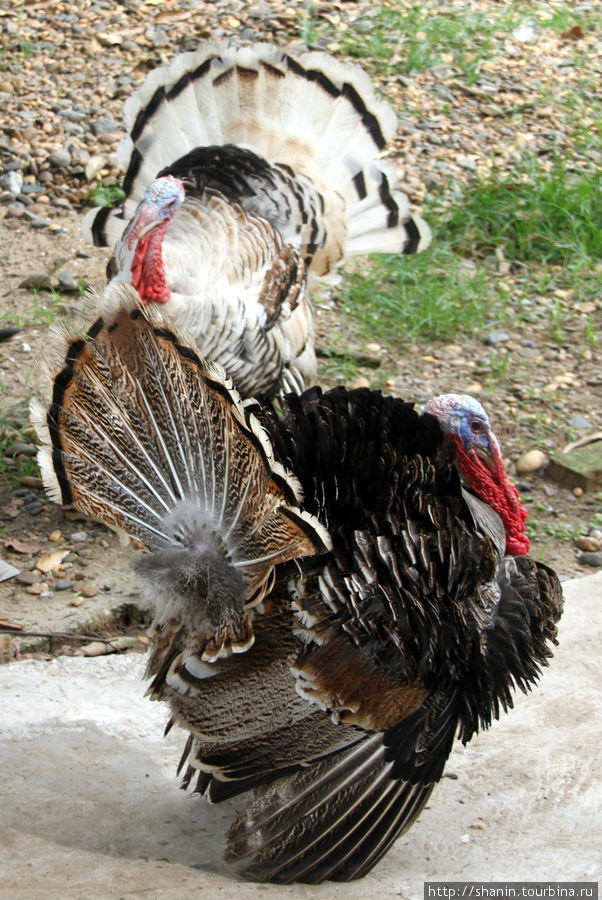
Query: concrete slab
{"points": [[90, 805]]}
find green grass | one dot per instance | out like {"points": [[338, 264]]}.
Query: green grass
{"points": [[105, 195], [565, 17], [46, 308], [416, 38], [532, 214], [432, 295], [546, 225], [14, 428]]}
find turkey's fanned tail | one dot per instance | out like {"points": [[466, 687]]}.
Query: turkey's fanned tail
{"points": [[147, 437], [311, 117]]}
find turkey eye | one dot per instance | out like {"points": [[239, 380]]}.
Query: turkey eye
{"points": [[476, 426]]}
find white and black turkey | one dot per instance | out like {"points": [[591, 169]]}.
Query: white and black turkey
{"points": [[331, 607], [250, 172]]}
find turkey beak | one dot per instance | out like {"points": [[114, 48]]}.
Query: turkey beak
{"points": [[147, 220], [144, 229], [483, 447]]}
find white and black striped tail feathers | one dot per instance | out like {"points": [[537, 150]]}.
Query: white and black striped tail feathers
{"points": [[150, 439], [316, 121]]}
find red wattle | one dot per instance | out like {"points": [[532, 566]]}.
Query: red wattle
{"points": [[496, 489], [148, 270]]}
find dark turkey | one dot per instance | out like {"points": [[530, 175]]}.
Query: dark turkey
{"points": [[249, 171], [331, 606]]}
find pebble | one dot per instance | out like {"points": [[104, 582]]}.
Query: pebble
{"points": [[32, 481], [105, 126], [37, 281], [66, 282], [20, 447], [526, 33], [40, 223], [78, 537], [360, 382], [496, 337], [28, 578], [13, 183], [34, 508], [89, 591], [55, 536], [59, 158], [531, 461], [72, 115], [94, 166], [588, 543], [588, 558], [580, 422], [63, 585], [77, 601], [37, 589]]}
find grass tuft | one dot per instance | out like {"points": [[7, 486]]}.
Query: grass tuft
{"points": [[545, 225], [535, 214], [432, 295], [105, 195]]}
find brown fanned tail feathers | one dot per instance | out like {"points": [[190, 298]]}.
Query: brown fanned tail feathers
{"points": [[145, 436]]}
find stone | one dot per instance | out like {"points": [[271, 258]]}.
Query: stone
{"points": [[526, 33], [59, 158], [37, 589], [531, 461], [28, 578], [12, 182], [580, 467], [496, 337], [94, 166], [104, 126], [580, 422], [360, 382], [66, 282], [78, 537], [73, 116], [590, 559], [584, 542], [40, 223], [36, 281], [62, 585]]}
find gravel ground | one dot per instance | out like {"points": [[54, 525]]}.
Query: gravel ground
{"points": [[64, 76]]}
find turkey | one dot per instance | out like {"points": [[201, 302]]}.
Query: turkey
{"points": [[331, 606], [251, 173]]}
